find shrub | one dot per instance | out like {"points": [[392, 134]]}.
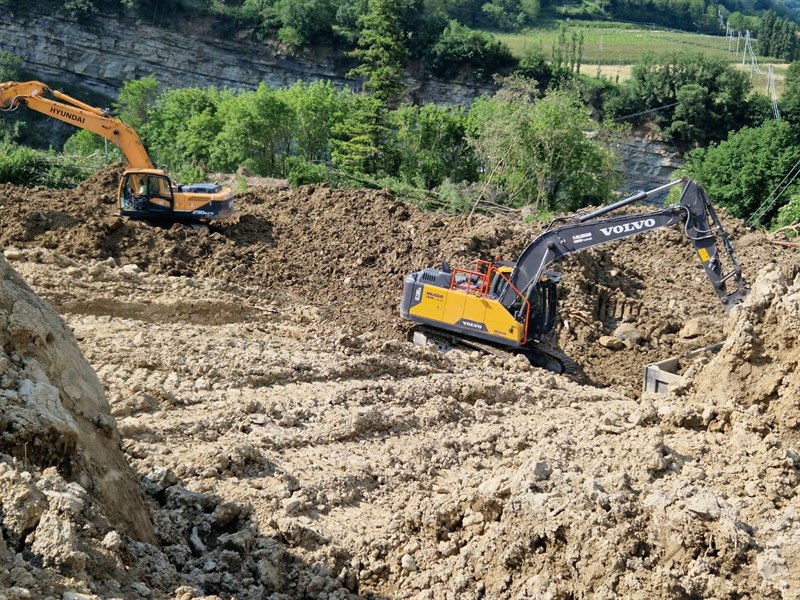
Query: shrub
{"points": [[303, 172], [18, 164], [460, 46]]}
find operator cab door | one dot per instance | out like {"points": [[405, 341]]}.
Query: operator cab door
{"points": [[146, 194]]}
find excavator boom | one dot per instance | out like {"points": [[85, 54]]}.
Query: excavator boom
{"points": [[76, 113], [694, 211]]}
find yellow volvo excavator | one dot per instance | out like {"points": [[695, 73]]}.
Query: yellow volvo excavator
{"points": [[510, 306], [144, 191]]}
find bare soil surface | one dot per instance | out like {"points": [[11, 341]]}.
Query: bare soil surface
{"points": [[263, 430]]}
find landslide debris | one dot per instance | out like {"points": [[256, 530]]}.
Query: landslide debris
{"points": [[289, 444], [347, 252], [61, 467], [352, 466]]}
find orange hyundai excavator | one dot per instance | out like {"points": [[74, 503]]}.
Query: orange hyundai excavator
{"points": [[144, 191]]}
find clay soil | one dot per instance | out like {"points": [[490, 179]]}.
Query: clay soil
{"points": [[277, 437]]}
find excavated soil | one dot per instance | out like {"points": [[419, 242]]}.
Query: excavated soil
{"points": [[288, 443]]}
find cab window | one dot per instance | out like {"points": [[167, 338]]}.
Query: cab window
{"points": [[159, 186]]}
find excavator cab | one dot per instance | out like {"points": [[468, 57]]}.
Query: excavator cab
{"points": [[151, 194], [500, 274], [146, 194]]}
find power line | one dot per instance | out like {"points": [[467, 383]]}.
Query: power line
{"points": [[748, 51], [773, 94], [644, 112], [767, 205]]}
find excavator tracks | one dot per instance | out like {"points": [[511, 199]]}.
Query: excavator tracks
{"points": [[539, 355]]}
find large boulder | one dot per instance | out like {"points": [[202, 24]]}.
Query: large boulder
{"points": [[53, 410]]}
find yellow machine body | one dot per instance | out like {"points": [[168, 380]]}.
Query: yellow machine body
{"points": [[458, 310], [150, 193]]}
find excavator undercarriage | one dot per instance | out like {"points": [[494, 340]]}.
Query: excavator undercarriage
{"points": [[538, 354]]}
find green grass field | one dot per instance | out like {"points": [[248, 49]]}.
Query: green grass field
{"points": [[609, 49], [620, 45]]}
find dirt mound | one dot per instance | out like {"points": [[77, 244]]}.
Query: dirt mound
{"points": [[347, 464], [57, 424], [50, 387], [75, 520], [757, 367], [347, 252]]}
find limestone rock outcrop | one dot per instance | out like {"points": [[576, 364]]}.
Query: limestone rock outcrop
{"points": [[53, 410]]}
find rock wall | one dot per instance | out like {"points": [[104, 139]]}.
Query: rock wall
{"points": [[54, 412], [103, 53], [646, 164]]}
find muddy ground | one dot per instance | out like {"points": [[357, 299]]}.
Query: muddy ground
{"points": [[259, 427]]}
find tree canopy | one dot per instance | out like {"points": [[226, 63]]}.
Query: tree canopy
{"points": [[540, 151], [742, 171], [696, 99]]}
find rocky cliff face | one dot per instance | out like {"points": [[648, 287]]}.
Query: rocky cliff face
{"points": [[102, 54], [105, 52], [646, 164]]}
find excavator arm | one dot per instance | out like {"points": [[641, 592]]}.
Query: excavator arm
{"points": [[701, 226], [65, 108]]}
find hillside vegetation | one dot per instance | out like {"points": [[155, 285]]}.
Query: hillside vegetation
{"points": [[503, 152], [303, 23], [610, 49]]}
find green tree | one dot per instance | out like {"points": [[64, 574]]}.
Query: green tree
{"points": [[568, 50], [346, 21], [305, 22], [528, 13], [742, 22], [540, 151], [316, 107], [576, 52], [381, 51], [460, 47], [789, 213], [777, 37], [169, 119], [790, 100], [10, 66], [78, 9], [560, 47], [135, 99], [741, 172], [260, 12], [691, 115], [429, 146], [85, 143], [196, 140], [358, 136], [534, 65], [654, 86], [255, 132]]}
